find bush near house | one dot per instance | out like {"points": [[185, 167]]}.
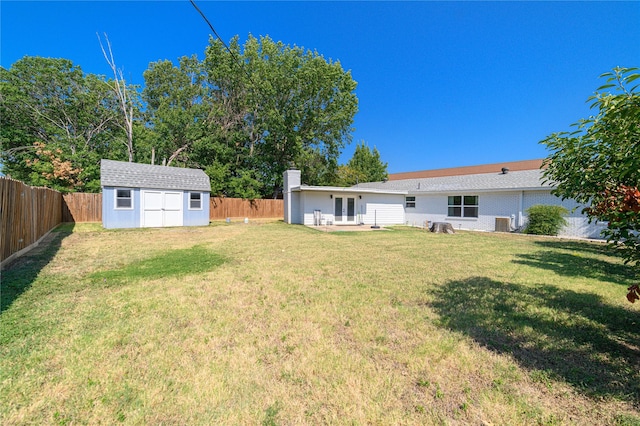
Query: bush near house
{"points": [[545, 220]]}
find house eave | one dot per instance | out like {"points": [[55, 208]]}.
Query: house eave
{"points": [[478, 191], [353, 190]]}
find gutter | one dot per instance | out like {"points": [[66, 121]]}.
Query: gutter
{"points": [[347, 189]]}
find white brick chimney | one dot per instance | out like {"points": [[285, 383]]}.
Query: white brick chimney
{"points": [[291, 200]]}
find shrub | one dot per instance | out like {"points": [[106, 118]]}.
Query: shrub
{"points": [[545, 220]]}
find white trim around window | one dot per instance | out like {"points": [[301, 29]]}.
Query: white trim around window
{"points": [[123, 198], [195, 200], [410, 201], [463, 206]]}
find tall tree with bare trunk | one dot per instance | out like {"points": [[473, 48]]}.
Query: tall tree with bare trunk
{"points": [[119, 86]]}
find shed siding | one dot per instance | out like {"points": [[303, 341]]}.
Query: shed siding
{"points": [[165, 190], [195, 217], [112, 218]]}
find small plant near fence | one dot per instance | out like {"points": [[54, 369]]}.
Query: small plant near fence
{"points": [[545, 220]]}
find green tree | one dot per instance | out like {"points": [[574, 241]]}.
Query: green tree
{"points": [[197, 117], [365, 166], [247, 113], [304, 108], [230, 150], [51, 110], [598, 164], [176, 110]]}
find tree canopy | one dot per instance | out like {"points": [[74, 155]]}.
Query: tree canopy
{"points": [[57, 123], [599, 163], [365, 166], [246, 114]]}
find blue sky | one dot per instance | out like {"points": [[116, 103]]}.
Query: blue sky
{"points": [[440, 84]]}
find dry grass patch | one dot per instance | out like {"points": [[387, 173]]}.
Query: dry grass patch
{"points": [[275, 324]]}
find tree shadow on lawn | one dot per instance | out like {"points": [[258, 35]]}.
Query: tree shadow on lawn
{"points": [[22, 272], [577, 264], [587, 247], [570, 336]]}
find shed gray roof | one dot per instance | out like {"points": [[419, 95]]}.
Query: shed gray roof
{"points": [[135, 175], [486, 182]]}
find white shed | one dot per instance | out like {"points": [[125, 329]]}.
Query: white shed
{"points": [[144, 195]]}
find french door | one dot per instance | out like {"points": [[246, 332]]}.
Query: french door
{"points": [[345, 210]]}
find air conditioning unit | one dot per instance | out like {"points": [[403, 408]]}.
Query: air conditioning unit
{"points": [[503, 224]]}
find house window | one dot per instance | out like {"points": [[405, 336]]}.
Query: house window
{"points": [[463, 206], [124, 199], [195, 201], [410, 202]]}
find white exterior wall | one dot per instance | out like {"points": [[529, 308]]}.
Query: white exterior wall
{"points": [[433, 208], [513, 205], [577, 223], [383, 209], [296, 209], [311, 201]]}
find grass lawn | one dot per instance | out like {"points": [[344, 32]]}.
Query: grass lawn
{"points": [[273, 324]]}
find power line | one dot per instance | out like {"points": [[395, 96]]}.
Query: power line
{"points": [[253, 87], [213, 30]]}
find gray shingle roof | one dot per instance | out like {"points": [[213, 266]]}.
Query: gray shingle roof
{"points": [[518, 180], [134, 175]]}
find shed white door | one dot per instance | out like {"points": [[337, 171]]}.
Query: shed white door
{"points": [[161, 208]]}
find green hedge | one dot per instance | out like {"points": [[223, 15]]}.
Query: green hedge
{"points": [[545, 220]]}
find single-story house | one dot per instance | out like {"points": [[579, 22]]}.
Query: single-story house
{"points": [[144, 195], [492, 197], [315, 205]]}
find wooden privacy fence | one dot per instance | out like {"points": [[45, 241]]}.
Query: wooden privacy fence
{"points": [[27, 213], [82, 207], [222, 208], [85, 207]]}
